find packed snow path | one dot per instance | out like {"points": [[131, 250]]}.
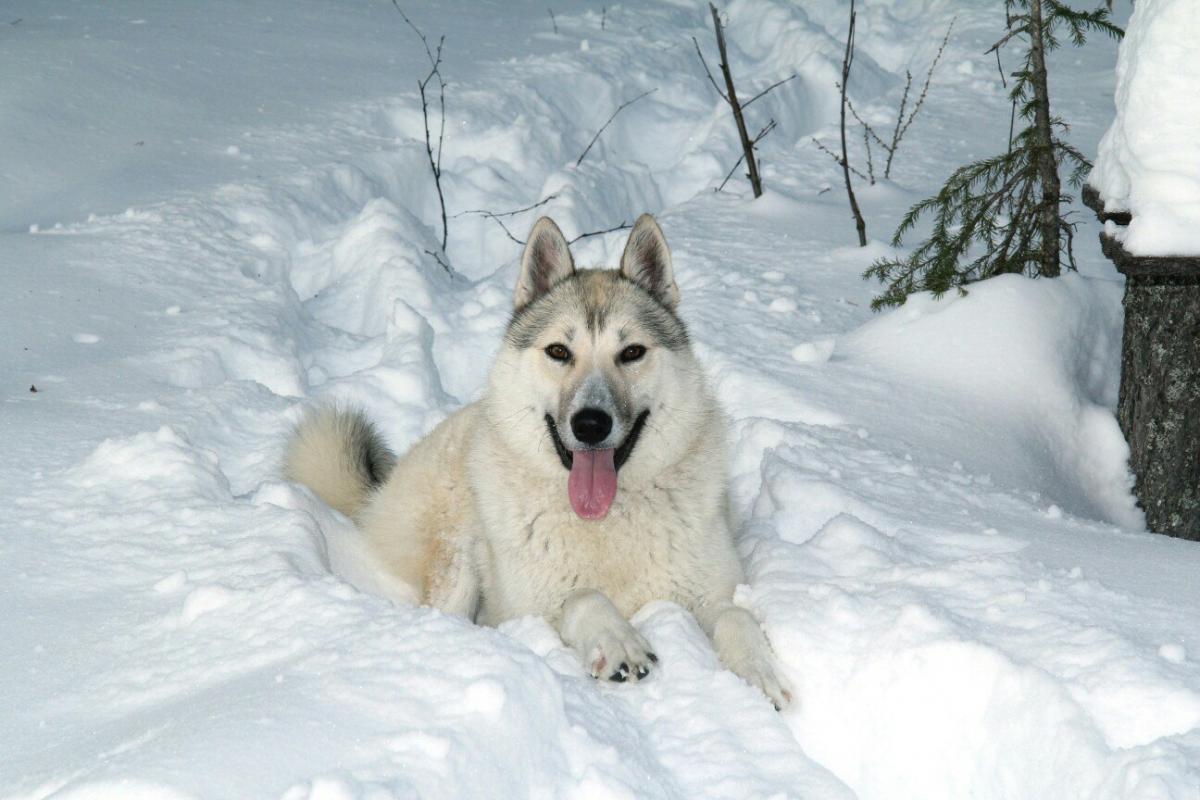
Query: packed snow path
{"points": [[937, 521]]}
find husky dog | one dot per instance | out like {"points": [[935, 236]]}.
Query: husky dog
{"points": [[590, 480]]}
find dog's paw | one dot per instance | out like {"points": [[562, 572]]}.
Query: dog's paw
{"points": [[618, 653], [761, 673], [745, 652]]}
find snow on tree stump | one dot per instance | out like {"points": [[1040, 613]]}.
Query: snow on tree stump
{"points": [[1159, 408]]}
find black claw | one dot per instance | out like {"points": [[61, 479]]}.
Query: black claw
{"points": [[652, 657], [642, 671], [617, 677]]}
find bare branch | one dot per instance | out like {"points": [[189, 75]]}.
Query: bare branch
{"points": [[729, 174], [870, 158], [758, 137], [774, 85], [620, 108], [503, 227], [770, 126], [865, 125], [416, 30], [440, 262], [486, 213], [836, 158], [435, 159], [621, 227], [900, 131], [707, 71], [732, 99], [553, 21], [848, 59]]}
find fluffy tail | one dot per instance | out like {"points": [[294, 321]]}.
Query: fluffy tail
{"points": [[339, 455]]}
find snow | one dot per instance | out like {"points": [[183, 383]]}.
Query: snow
{"points": [[1149, 160], [934, 508]]}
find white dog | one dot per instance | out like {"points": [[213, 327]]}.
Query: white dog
{"points": [[590, 480]]}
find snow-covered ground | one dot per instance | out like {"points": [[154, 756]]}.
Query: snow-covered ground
{"points": [[215, 214]]}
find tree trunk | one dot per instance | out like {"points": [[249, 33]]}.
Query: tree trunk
{"points": [[1159, 408], [1160, 399], [1047, 169]]}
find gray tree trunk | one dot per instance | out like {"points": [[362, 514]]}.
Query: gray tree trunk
{"points": [[1046, 166], [1159, 408], [1160, 399]]}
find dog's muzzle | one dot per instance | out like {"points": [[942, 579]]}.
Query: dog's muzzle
{"points": [[620, 456]]}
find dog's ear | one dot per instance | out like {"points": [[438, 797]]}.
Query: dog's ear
{"points": [[647, 261], [546, 261]]}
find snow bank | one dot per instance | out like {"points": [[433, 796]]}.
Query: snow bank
{"points": [[1037, 360], [1149, 160]]}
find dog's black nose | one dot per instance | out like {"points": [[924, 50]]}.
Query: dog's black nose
{"points": [[591, 425]]}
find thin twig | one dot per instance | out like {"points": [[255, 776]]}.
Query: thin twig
{"points": [[435, 160], [746, 104], [758, 137], [486, 213], [708, 72], [770, 126], [836, 158], [553, 21], [438, 259], [620, 108], [870, 158], [900, 131], [621, 227], [862, 122], [729, 174], [504, 228]]}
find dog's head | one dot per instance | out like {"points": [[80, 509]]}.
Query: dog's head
{"points": [[599, 362]]}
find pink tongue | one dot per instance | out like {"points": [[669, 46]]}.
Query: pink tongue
{"points": [[593, 482]]}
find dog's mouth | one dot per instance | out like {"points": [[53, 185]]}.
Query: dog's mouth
{"points": [[592, 485]]}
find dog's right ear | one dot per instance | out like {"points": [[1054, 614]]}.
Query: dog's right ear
{"points": [[546, 261]]}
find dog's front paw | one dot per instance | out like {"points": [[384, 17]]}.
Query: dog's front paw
{"points": [[610, 647], [760, 672], [745, 652], [618, 653]]}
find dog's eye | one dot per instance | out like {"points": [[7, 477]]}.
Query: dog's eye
{"points": [[632, 353], [558, 352]]}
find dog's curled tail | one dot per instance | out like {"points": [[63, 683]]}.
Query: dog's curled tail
{"points": [[338, 454]]}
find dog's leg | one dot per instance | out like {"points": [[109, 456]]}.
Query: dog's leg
{"points": [[743, 648], [610, 647]]}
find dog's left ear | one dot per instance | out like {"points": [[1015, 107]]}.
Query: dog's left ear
{"points": [[647, 261], [546, 261]]}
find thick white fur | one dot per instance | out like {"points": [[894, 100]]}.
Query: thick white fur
{"points": [[476, 516]]}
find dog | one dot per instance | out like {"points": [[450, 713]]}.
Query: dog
{"points": [[589, 480]]}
